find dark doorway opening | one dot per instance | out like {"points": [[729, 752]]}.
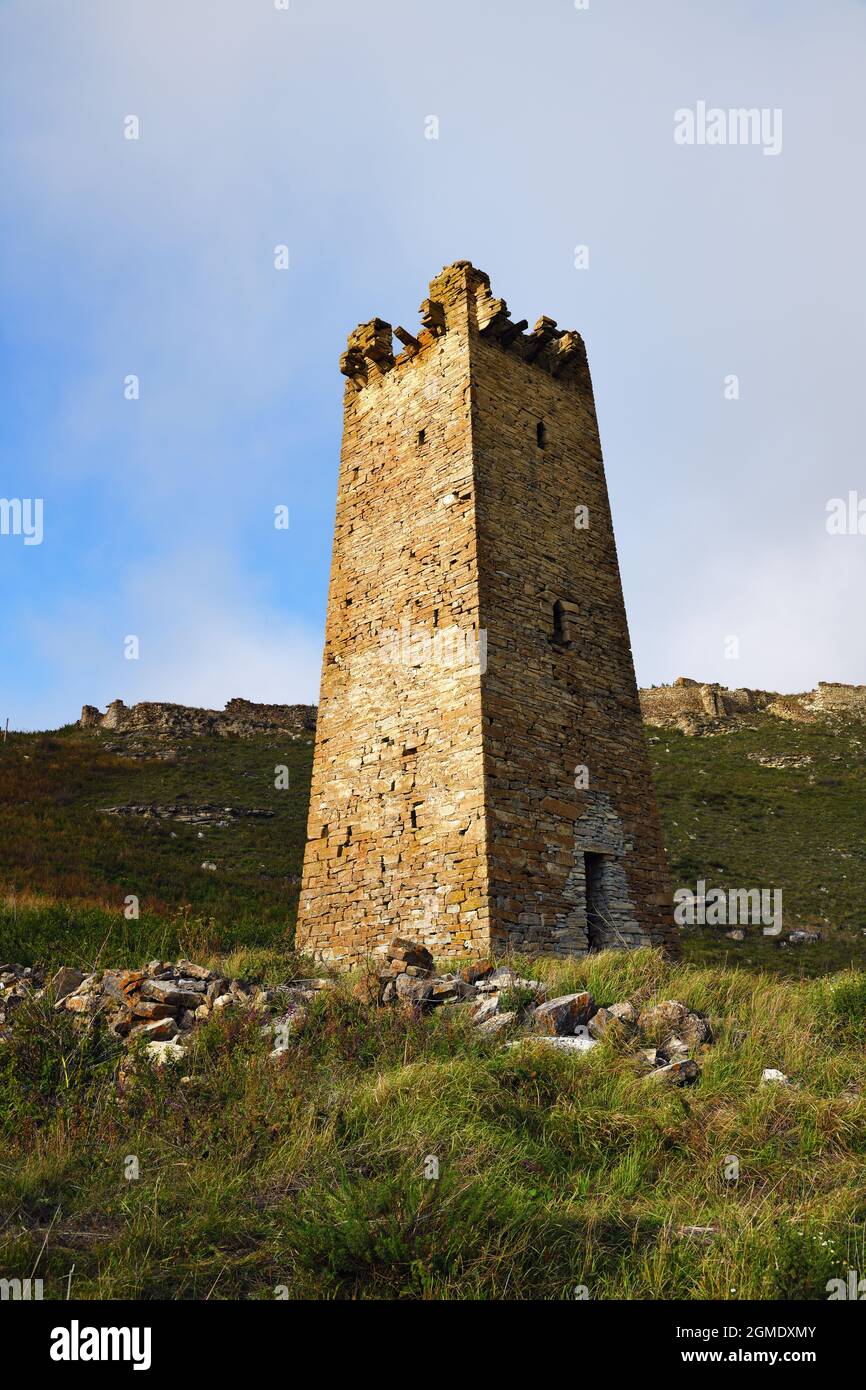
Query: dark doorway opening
{"points": [[596, 904]]}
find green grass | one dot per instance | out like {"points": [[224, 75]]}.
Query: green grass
{"points": [[737, 824], [554, 1171], [66, 868], [309, 1175]]}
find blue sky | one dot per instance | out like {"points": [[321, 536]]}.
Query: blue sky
{"points": [[306, 127]]}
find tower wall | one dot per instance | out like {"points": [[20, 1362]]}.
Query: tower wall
{"points": [[447, 802], [566, 764], [396, 833]]}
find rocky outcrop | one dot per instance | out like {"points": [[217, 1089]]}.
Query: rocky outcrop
{"points": [[690, 705], [241, 718], [696, 708]]}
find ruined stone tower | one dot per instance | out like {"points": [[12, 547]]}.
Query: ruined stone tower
{"points": [[480, 778]]}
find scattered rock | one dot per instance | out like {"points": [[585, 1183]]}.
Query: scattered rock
{"points": [[617, 1023], [624, 1013], [368, 989], [506, 979], [479, 971], [494, 1025], [206, 814], [17, 983], [164, 1004], [603, 1024], [771, 1076], [414, 990], [684, 1073], [153, 1009], [190, 969], [674, 1050], [706, 1234], [161, 1053], [161, 1005], [560, 1044], [66, 981], [564, 1015], [488, 1007], [160, 1030], [671, 1019], [410, 953], [172, 992]]}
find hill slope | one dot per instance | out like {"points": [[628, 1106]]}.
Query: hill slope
{"points": [[91, 815], [765, 802], [555, 1176], [67, 864]]}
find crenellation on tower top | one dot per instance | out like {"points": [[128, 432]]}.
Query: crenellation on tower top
{"points": [[409, 341], [460, 298], [432, 317]]}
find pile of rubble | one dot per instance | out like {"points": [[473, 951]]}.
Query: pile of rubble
{"points": [[160, 1005], [498, 1000], [17, 982], [208, 813]]}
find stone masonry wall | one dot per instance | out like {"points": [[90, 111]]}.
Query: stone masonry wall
{"points": [[557, 701], [444, 804], [396, 831]]}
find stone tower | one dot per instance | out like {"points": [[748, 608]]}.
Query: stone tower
{"points": [[480, 779]]}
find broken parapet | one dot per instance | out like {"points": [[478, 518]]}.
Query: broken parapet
{"points": [[461, 294]]}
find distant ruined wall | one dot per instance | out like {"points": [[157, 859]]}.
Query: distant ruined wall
{"points": [[688, 704], [240, 717], [660, 704], [832, 697]]}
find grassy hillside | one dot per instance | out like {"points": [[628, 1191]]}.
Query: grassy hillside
{"points": [[555, 1172], [66, 867], [733, 819]]}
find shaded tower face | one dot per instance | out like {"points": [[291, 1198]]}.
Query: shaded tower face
{"points": [[480, 779]]}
